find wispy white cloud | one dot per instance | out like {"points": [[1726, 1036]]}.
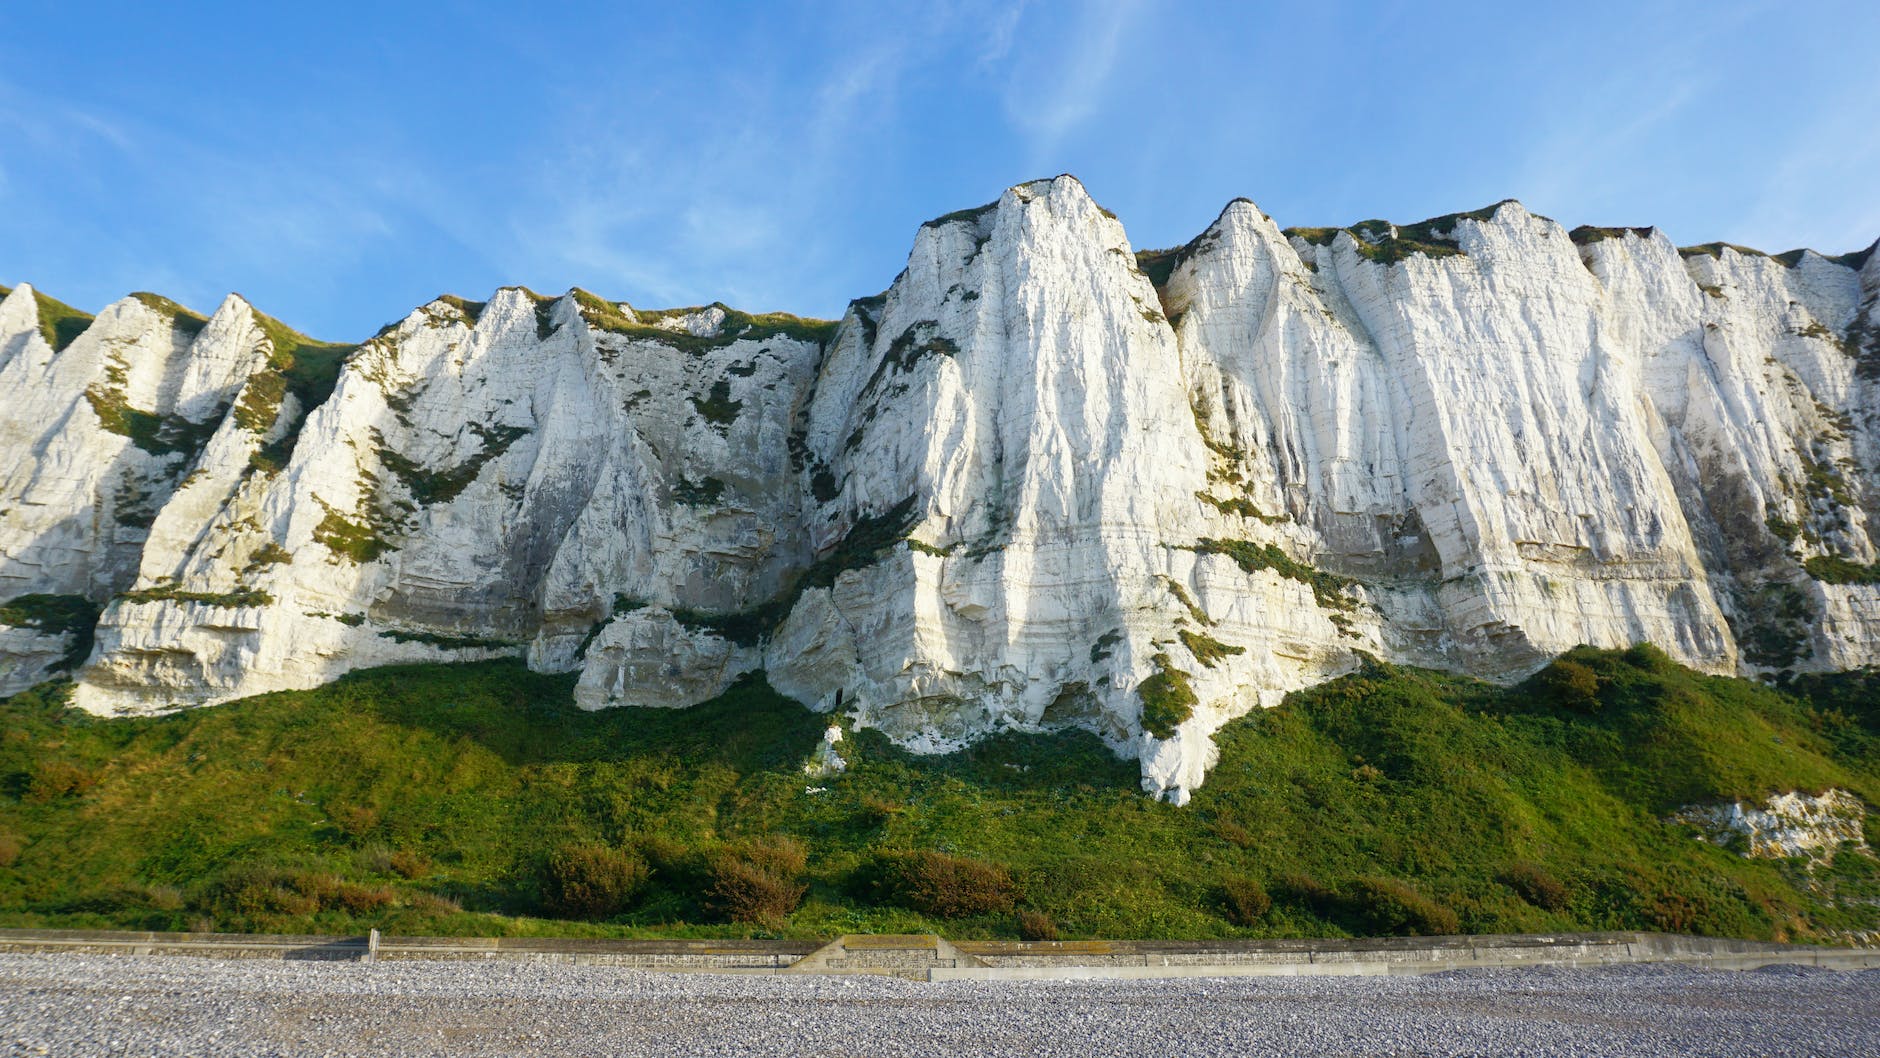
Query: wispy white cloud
{"points": [[1060, 71], [1818, 192], [667, 210], [1571, 158], [1001, 32]]}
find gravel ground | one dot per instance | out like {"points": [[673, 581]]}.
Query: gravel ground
{"points": [[98, 1005]]}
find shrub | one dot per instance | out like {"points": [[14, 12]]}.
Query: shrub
{"points": [[1676, 899], [878, 811], [408, 864], [671, 861], [355, 821], [162, 897], [260, 892], [592, 880], [1647, 657], [758, 881], [428, 903], [1532, 883], [1306, 893], [360, 899], [1570, 685], [947, 886], [54, 779], [1245, 901], [1233, 833], [1670, 912], [1036, 925], [10, 847], [1207, 649], [1389, 907]]}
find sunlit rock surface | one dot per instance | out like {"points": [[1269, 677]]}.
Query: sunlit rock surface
{"points": [[1788, 825], [1040, 481]]}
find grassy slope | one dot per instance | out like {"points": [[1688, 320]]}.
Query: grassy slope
{"points": [[396, 786]]}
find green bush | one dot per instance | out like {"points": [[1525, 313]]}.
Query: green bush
{"points": [[256, 895], [1304, 892], [1391, 907], [405, 863], [432, 905], [1245, 901], [590, 880], [1649, 659], [1532, 883], [355, 821], [54, 779], [935, 883], [1568, 684]]}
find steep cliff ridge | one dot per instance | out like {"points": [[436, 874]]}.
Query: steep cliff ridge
{"points": [[1042, 481]]}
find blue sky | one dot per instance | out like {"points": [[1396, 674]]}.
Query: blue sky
{"points": [[341, 163]]}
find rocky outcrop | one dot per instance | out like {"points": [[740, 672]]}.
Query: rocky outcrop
{"points": [[1041, 481], [1793, 824]]}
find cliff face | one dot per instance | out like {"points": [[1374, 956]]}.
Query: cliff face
{"points": [[1042, 481]]}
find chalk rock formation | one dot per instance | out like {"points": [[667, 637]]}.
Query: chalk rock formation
{"points": [[1041, 481], [1792, 824]]}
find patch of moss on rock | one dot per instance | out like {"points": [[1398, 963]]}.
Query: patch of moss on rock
{"points": [[1330, 589], [1587, 234], [188, 321], [429, 486], [59, 324], [306, 367], [702, 493], [717, 407], [1206, 649], [619, 318], [445, 641], [1167, 697], [1833, 569], [362, 537], [171, 593]]}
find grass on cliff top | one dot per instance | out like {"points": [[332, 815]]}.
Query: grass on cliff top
{"points": [[444, 799], [60, 324]]}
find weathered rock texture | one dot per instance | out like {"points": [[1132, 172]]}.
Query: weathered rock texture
{"points": [[1042, 481], [1793, 824]]}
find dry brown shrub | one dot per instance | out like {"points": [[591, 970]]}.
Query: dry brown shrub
{"points": [[1534, 884], [360, 899], [54, 779], [408, 864], [936, 883], [1036, 925], [758, 881], [355, 821], [1233, 833], [1245, 901]]}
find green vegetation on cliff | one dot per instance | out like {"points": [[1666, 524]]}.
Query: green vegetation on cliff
{"points": [[477, 799]]}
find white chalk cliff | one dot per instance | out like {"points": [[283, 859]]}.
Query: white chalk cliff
{"points": [[1042, 481]]}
